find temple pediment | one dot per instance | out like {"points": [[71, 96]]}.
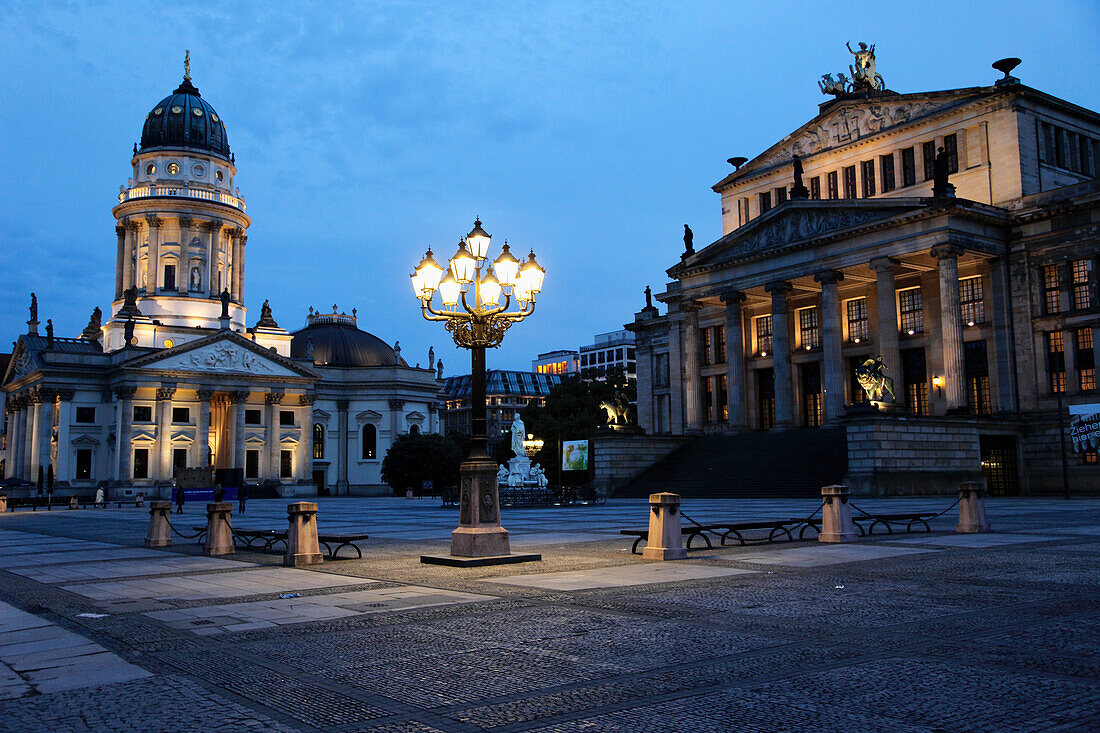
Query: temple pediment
{"points": [[849, 121], [793, 223], [226, 353]]}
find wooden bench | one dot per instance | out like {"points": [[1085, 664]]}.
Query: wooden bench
{"points": [[252, 537], [341, 540]]}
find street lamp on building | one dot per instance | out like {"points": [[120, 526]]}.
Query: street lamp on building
{"points": [[470, 292]]}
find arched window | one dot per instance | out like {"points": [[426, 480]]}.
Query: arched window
{"points": [[414, 430], [370, 442], [318, 441]]}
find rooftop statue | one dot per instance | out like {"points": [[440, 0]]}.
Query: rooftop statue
{"points": [[34, 307], [941, 168], [225, 303], [864, 76], [689, 239], [648, 297], [837, 87]]}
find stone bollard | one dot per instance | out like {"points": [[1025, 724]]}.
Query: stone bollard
{"points": [[72, 502], [219, 532], [302, 547], [972, 508], [836, 515], [159, 533], [665, 540], [3, 503]]}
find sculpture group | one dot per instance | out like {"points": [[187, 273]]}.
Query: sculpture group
{"points": [[519, 472], [864, 76]]}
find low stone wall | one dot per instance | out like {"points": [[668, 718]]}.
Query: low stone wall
{"points": [[617, 459], [904, 456], [1042, 461]]}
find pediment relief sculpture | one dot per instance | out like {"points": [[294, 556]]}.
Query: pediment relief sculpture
{"points": [[795, 227]]}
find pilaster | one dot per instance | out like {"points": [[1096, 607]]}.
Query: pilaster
{"points": [[735, 359], [781, 353], [832, 346], [951, 326]]}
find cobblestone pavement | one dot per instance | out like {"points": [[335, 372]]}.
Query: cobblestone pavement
{"points": [[923, 632]]}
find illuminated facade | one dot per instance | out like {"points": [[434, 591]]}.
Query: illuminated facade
{"points": [[983, 302], [175, 378], [561, 362]]}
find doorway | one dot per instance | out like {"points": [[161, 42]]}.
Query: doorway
{"points": [[999, 464]]}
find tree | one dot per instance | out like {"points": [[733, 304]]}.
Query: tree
{"points": [[413, 459], [572, 412]]}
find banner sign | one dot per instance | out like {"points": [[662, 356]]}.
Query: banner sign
{"points": [[1084, 427], [574, 455]]}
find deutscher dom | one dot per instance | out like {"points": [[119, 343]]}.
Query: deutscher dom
{"points": [[177, 378]]}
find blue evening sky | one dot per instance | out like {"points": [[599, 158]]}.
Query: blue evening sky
{"points": [[366, 131]]}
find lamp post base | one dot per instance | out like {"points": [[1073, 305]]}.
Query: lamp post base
{"points": [[479, 562], [479, 541]]}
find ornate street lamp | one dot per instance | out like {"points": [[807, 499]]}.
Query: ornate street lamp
{"points": [[470, 291]]}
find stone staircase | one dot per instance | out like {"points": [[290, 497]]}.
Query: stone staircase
{"points": [[794, 463]]}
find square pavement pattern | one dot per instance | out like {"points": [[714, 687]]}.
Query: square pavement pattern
{"points": [[922, 632]]}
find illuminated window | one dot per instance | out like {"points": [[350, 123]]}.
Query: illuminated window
{"points": [[1052, 289], [173, 168], [858, 328], [723, 399], [977, 378], [1086, 358], [1056, 362], [812, 404], [708, 400], [809, 328], [370, 442], [912, 311], [318, 441], [764, 335], [915, 377], [150, 169], [719, 345], [971, 300], [1082, 290], [705, 346]]}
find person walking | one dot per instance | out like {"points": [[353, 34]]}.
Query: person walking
{"points": [[242, 497], [179, 500]]}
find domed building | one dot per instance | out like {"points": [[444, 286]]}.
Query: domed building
{"points": [[175, 378]]}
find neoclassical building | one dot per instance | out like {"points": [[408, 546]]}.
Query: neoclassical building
{"points": [[176, 377], [982, 303]]}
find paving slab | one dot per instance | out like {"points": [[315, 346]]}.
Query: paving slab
{"points": [[232, 584], [975, 541], [77, 555], [619, 576], [159, 563], [820, 555], [283, 611]]}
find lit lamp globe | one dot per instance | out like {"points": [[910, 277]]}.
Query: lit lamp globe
{"points": [[506, 267], [478, 241], [489, 289], [449, 290], [463, 265], [426, 277]]}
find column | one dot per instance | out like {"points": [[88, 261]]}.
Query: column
{"points": [[271, 433], [735, 359], [832, 337], [64, 419], [128, 256], [675, 376], [17, 426], [44, 426], [341, 446], [183, 276], [396, 406], [1003, 356], [31, 440], [153, 261], [125, 427], [781, 356], [951, 332], [120, 260], [162, 463], [211, 228], [306, 401], [202, 433], [693, 397], [242, 240], [887, 333], [238, 400], [9, 435]]}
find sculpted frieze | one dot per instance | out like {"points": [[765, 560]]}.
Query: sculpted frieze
{"points": [[847, 125], [796, 227], [220, 357]]}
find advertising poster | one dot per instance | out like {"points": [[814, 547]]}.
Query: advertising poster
{"points": [[1084, 426], [574, 455]]}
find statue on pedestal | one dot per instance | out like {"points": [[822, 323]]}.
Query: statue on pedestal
{"points": [[689, 241], [872, 378]]}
